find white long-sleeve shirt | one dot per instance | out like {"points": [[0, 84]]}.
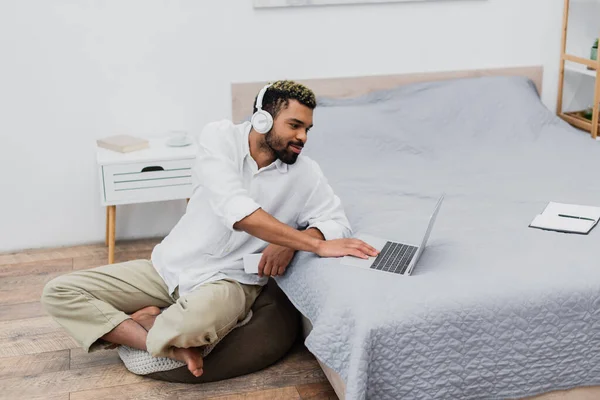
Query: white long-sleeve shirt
{"points": [[203, 246]]}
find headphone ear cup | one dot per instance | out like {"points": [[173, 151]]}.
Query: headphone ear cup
{"points": [[262, 121]]}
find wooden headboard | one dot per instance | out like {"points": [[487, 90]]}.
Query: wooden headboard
{"points": [[243, 94]]}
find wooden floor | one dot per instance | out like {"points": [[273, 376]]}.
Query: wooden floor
{"points": [[38, 360]]}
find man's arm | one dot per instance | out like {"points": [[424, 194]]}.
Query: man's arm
{"points": [[266, 227], [275, 258], [263, 226], [314, 232], [322, 213]]}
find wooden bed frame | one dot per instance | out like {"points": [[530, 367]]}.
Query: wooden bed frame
{"points": [[243, 95]]}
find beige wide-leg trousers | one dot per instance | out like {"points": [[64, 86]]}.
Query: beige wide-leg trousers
{"points": [[91, 303]]}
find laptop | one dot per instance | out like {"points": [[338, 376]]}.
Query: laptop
{"points": [[394, 257]]}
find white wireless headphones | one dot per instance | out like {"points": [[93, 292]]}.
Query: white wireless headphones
{"points": [[262, 121]]}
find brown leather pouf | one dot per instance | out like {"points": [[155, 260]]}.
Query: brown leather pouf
{"points": [[268, 336]]}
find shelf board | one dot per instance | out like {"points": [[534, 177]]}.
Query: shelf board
{"points": [[580, 60], [575, 119], [581, 69]]}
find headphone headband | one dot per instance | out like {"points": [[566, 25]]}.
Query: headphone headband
{"points": [[261, 94]]}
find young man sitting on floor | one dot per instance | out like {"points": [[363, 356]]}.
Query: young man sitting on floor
{"points": [[255, 193]]}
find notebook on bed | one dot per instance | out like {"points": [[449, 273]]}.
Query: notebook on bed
{"points": [[567, 218]]}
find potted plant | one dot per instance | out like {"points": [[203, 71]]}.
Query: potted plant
{"points": [[588, 113]]}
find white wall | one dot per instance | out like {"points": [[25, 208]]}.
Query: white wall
{"points": [[74, 71]]}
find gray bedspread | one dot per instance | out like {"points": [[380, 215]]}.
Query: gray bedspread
{"points": [[494, 309]]}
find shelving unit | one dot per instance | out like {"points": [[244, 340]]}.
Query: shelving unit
{"points": [[586, 67], [581, 69]]}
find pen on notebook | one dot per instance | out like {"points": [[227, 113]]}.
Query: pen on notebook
{"points": [[573, 216]]}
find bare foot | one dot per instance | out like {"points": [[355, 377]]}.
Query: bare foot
{"points": [[191, 357], [146, 316]]}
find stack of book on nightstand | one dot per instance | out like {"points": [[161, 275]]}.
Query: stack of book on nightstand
{"points": [[123, 143]]}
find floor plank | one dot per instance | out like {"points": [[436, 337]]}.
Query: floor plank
{"points": [[286, 393], [168, 391], [579, 393], [11, 367], [28, 327], [147, 390], [68, 381], [317, 391], [60, 396], [18, 311], [42, 343], [97, 249], [81, 359], [27, 281], [36, 267], [24, 289], [86, 262]]}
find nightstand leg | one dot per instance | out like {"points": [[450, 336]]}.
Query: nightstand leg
{"points": [[112, 212], [107, 218]]}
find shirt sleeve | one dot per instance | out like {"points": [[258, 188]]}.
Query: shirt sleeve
{"points": [[219, 173], [324, 211]]}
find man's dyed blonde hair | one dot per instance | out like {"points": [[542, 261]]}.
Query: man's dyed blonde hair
{"points": [[279, 94]]}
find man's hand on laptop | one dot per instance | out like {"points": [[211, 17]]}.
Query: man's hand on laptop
{"points": [[275, 260], [346, 247]]}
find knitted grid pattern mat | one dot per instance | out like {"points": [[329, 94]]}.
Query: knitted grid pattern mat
{"points": [[140, 362]]}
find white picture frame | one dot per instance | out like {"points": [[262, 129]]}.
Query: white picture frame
{"points": [[306, 3]]}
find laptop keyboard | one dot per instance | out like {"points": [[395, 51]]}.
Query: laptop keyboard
{"points": [[394, 257]]}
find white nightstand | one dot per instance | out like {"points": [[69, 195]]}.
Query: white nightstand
{"points": [[158, 173]]}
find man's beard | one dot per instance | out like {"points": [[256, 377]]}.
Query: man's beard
{"points": [[275, 142]]}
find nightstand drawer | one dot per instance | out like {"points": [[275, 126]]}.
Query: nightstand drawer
{"points": [[147, 181]]}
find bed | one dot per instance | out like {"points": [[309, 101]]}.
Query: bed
{"points": [[494, 309]]}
